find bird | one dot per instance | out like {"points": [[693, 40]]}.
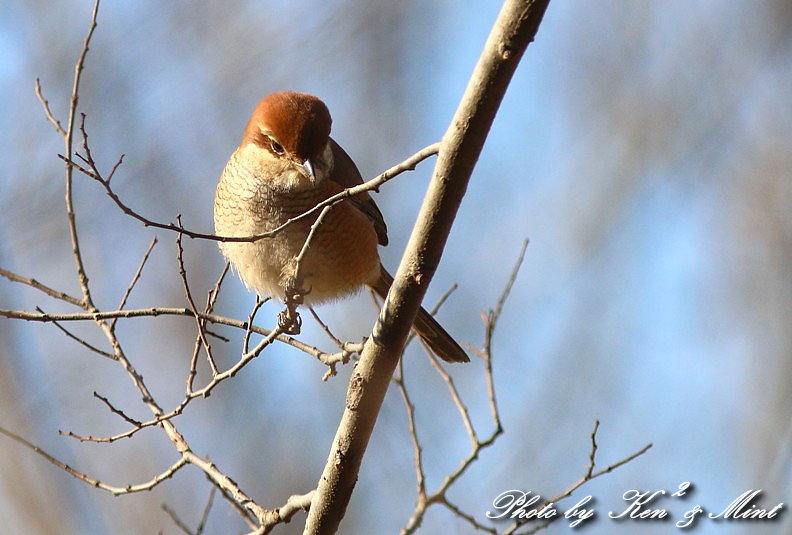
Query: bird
{"points": [[286, 164]]}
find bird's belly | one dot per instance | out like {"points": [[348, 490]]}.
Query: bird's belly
{"points": [[341, 257]]}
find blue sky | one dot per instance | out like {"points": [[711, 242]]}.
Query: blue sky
{"points": [[635, 149]]}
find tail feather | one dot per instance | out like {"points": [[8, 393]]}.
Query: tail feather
{"points": [[425, 326]]}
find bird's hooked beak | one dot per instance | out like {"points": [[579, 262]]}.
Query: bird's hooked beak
{"points": [[308, 166]]}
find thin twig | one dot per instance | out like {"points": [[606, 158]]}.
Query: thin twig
{"points": [[205, 391], [284, 513], [220, 480], [466, 517], [202, 525], [176, 520], [33, 283], [298, 260], [326, 329], [229, 488], [407, 165], [82, 277], [134, 280], [214, 292], [116, 491], [491, 322], [205, 516], [247, 515], [81, 341], [115, 410], [420, 500], [193, 364], [433, 312], [45, 104], [211, 298], [165, 311], [496, 312], [198, 321], [251, 317], [587, 476], [290, 319], [424, 501], [593, 451]]}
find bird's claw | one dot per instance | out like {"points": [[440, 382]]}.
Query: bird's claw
{"points": [[289, 319]]}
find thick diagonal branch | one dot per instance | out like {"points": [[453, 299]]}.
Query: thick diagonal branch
{"points": [[514, 29]]}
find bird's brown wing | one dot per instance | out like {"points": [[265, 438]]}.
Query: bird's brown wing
{"points": [[345, 173]]}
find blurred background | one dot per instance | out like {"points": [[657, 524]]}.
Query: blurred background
{"points": [[643, 149]]}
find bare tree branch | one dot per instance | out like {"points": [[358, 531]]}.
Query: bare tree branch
{"points": [[252, 513], [295, 504], [67, 138], [135, 278], [182, 526], [588, 476], [333, 338], [81, 341], [205, 516], [116, 491], [458, 151], [115, 410], [423, 499], [200, 324], [33, 283], [372, 185], [515, 27], [45, 104], [176, 520]]}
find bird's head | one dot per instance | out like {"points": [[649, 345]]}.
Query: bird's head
{"points": [[289, 132]]}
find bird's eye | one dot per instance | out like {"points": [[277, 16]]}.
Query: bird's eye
{"points": [[276, 147]]}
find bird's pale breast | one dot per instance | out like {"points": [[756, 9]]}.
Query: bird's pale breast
{"points": [[342, 255]]}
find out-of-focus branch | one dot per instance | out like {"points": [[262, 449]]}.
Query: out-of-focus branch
{"points": [[202, 525], [515, 27]]}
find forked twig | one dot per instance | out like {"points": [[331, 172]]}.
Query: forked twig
{"points": [[116, 491], [68, 136], [423, 499], [200, 324], [587, 476]]}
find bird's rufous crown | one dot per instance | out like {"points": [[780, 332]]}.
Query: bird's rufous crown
{"points": [[298, 122]]}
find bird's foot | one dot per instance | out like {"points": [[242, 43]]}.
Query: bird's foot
{"points": [[289, 319]]}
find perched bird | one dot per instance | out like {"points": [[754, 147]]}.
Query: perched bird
{"points": [[286, 164]]}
